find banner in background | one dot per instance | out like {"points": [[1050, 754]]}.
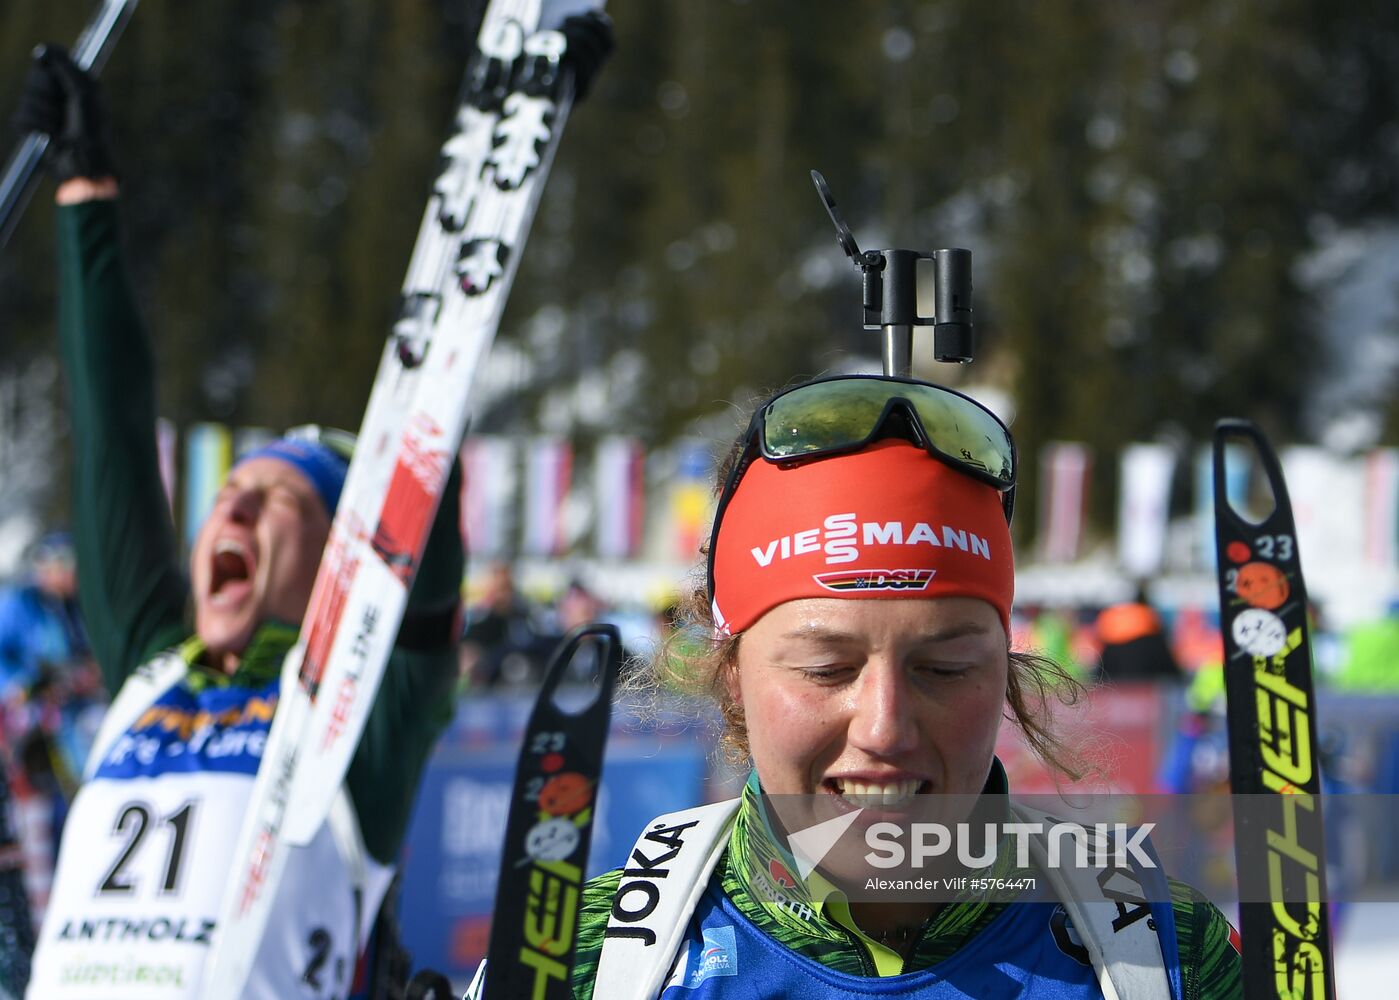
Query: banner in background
{"points": [[208, 449], [454, 841], [1143, 510], [548, 476], [619, 479], [691, 500], [490, 485], [1382, 508], [1123, 726], [1064, 472], [165, 444], [1328, 503]]}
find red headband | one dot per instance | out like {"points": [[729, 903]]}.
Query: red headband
{"points": [[889, 521]]}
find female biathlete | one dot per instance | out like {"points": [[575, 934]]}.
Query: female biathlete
{"points": [[860, 580]]}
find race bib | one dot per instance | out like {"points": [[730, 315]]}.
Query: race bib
{"points": [[145, 858]]}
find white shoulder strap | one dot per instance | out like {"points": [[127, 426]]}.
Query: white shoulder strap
{"points": [[369, 878], [477, 984], [664, 878], [344, 828], [1128, 959], [140, 691]]}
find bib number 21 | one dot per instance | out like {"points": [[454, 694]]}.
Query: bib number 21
{"points": [[136, 824]]}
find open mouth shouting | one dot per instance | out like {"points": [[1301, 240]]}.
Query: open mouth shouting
{"points": [[230, 581]]}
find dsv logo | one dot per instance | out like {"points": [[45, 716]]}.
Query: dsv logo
{"points": [[876, 579]]}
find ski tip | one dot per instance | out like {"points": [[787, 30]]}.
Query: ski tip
{"points": [[605, 637], [1233, 435], [1227, 426], [1235, 428]]}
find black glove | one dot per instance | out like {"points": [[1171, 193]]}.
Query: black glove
{"points": [[63, 102], [590, 42]]}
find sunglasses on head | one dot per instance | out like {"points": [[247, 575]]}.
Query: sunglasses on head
{"points": [[845, 413], [342, 443]]}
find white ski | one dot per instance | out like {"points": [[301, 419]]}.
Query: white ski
{"points": [[494, 165]]}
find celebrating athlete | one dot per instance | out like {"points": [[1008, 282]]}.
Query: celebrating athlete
{"points": [[145, 857]]}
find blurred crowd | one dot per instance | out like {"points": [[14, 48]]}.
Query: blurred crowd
{"points": [[509, 635], [511, 630], [51, 703], [50, 688]]}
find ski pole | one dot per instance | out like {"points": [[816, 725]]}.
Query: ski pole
{"points": [[90, 54]]}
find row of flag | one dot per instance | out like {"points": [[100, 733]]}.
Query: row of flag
{"points": [[1346, 507], [541, 497], [520, 496]]}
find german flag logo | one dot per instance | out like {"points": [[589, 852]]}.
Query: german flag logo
{"points": [[875, 579]]}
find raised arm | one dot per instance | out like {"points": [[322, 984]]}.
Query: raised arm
{"points": [[132, 593]]}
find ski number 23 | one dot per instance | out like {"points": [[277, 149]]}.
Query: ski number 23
{"points": [[548, 742], [134, 822], [1274, 547]]}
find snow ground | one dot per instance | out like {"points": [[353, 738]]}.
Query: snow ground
{"points": [[1367, 952]]}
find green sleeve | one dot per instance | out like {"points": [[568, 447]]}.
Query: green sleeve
{"points": [[1210, 968], [129, 583], [416, 700], [592, 925]]}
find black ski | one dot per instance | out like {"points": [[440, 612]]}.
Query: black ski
{"points": [[539, 893], [90, 53], [1279, 843]]}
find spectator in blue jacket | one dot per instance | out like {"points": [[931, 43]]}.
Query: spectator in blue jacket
{"points": [[41, 630]]}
